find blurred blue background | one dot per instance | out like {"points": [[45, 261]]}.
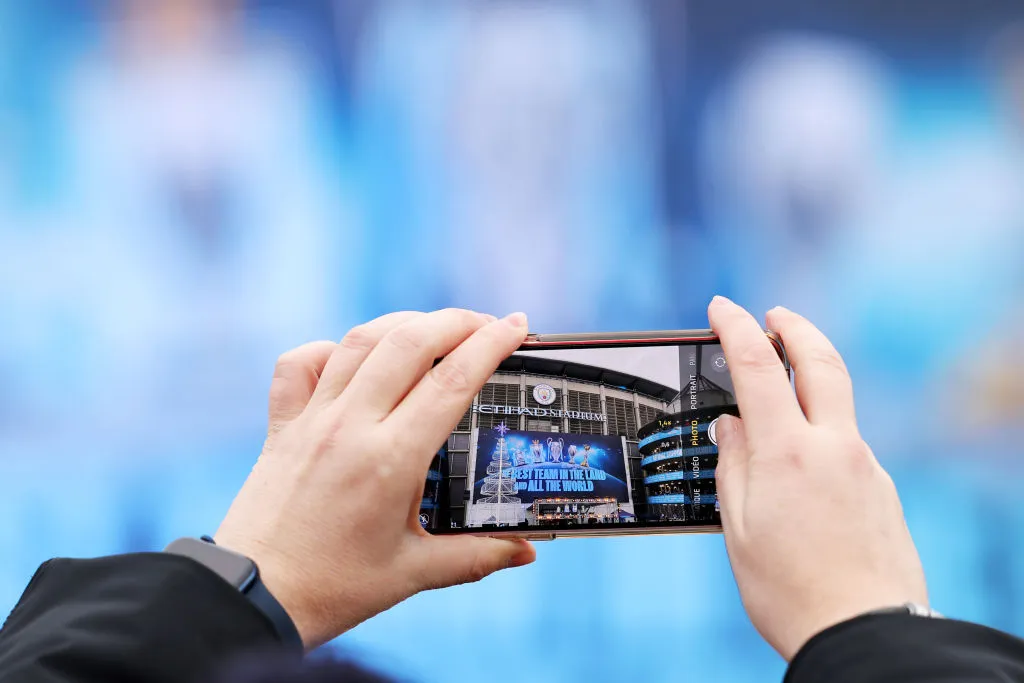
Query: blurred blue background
{"points": [[190, 187]]}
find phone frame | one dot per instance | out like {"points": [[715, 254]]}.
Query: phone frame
{"points": [[593, 340]]}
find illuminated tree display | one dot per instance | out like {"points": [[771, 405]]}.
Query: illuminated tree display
{"points": [[497, 488]]}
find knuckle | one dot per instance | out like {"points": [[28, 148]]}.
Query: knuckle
{"points": [[498, 336], [285, 362], [359, 338], [723, 478], [757, 358], [858, 454], [465, 318], [724, 472], [478, 570], [721, 467], [793, 458], [401, 316], [461, 313], [405, 338], [450, 376], [789, 452], [889, 486], [860, 449], [280, 387], [886, 480], [829, 359]]}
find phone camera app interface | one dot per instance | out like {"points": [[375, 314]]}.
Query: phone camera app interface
{"points": [[582, 437]]}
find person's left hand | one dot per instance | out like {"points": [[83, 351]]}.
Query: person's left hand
{"points": [[330, 513]]}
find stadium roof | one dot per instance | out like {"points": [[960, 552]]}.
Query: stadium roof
{"points": [[551, 367]]}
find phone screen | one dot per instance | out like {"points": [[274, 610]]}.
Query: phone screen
{"points": [[586, 437]]}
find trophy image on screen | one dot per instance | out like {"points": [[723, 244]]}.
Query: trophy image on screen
{"points": [[537, 451], [498, 503], [555, 449]]}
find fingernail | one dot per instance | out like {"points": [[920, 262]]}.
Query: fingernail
{"points": [[520, 559], [780, 308], [719, 300], [516, 319], [488, 317], [725, 428]]}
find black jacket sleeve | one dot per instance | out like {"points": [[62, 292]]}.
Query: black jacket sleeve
{"points": [[901, 648], [151, 617]]}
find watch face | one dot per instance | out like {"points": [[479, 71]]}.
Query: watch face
{"points": [[236, 569]]}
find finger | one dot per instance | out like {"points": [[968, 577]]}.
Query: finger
{"points": [[763, 391], [355, 346], [438, 402], [296, 375], [823, 385], [404, 355], [452, 560], [731, 472]]}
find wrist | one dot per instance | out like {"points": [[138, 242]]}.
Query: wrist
{"points": [[282, 579], [852, 612]]}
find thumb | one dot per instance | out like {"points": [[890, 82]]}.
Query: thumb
{"points": [[295, 377], [731, 472], [453, 560]]}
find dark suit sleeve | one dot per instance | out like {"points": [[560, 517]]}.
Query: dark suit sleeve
{"points": [[151, 617], [900, 648]]}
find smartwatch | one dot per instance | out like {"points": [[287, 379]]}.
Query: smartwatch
{"points": [[242, 573]]}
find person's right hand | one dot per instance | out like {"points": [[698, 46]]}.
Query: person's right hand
{"points": [[330, 512], [813, 525]]}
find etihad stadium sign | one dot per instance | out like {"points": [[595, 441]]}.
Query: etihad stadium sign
{"points": [[538, 412]]}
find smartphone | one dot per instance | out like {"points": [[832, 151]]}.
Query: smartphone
{"points": [[589, 435]]}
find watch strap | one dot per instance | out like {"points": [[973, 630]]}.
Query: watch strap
{"points": [[258, 594], [268, 604]]}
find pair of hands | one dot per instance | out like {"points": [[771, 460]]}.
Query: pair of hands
{"points": [[813, 525]]}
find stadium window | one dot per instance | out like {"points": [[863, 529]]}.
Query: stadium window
{"points": [[496, 393], [587, 402], [585, 427], [621, 418], [457, 464], [649, 415], [455, 493], [541, 425]]}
